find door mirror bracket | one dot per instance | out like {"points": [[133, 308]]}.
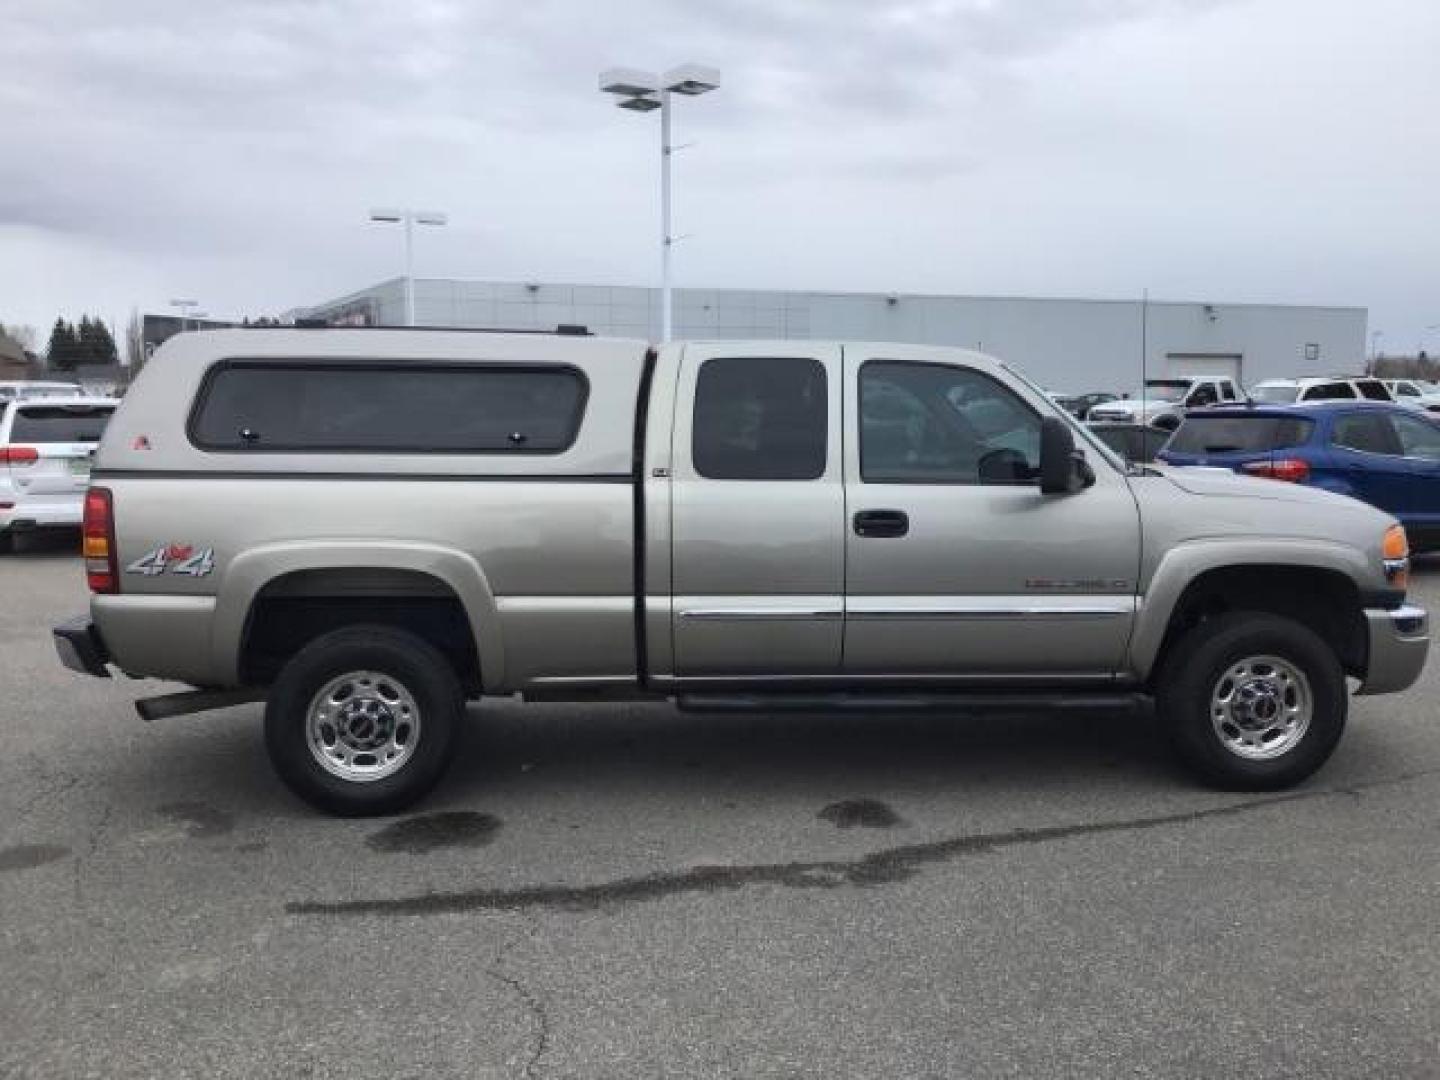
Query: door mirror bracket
{"points": [[1063, 468]]}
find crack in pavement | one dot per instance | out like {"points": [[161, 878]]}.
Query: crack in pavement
{"points": [[882, 867], [533, 1004]]}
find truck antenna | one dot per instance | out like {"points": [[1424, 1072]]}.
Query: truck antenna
{"points": [[1144, 337]]}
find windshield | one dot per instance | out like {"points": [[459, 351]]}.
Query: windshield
{"points": [[1276, 393], [1228, 434], [1164, 391]]}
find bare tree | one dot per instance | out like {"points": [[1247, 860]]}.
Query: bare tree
{"points": [[25, 336]]}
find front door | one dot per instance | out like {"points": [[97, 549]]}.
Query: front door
{"points": [[758, 512], [956, 565]]}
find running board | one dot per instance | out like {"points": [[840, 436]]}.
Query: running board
{"points": [[934, 701], [193, 701]]}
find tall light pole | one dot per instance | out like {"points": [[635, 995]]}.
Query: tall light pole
{"points": [[409, 218], [643, 91], [187, 310]]}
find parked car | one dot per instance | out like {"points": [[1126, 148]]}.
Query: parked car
{"points": [[25, 388], [368, 527], [1330, 388], [1136, 443], [1079, 405], [1383, 454], [1416, 393], [1162, 402], [45, 449]]}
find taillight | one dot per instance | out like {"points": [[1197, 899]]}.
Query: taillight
{"points": [[1292, 469], [19, 455], [98, 540]]}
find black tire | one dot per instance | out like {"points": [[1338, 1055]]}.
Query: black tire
{"points": [[7, 543], [1193, 674], [411, 663]]}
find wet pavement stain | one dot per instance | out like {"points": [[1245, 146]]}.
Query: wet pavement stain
{"points": [[860, 813], [29, 856], [200, 820], [252, 846], [881, 867], [429, 832]]}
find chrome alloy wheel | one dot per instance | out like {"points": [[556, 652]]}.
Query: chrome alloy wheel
{"points": [[362, 726], [1261, 707]]}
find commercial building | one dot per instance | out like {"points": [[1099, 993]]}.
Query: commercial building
{"points": [[1068, 345]]}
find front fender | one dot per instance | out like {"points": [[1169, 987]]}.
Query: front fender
{"points": [[252, 570], [1185, 562]]}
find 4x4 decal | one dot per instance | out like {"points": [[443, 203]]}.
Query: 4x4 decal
{"points": [[177, 558]]}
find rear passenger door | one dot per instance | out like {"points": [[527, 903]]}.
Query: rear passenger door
{"points": [[757, 512], [1420, 443]]}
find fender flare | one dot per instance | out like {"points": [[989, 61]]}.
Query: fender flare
{"points": [[253, 569], [1184, 563]]}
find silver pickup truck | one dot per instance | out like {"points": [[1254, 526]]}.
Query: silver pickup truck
{"points": [[369, 527]]}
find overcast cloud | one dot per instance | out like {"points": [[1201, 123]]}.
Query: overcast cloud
{"points": [[1218, 150]]}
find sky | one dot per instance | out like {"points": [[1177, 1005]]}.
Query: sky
{"points": [[1277, 151]]}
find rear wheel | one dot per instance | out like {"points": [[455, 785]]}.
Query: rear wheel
{"points": [[1253, 701], [364, 720]]}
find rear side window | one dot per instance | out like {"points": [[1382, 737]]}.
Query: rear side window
{"points": [[1373, 389], [760, 418], [1369, 433], [59, 423], [409, 408], [1330, 391], [1228, 434]]}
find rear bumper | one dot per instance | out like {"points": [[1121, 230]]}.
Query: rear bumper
{"points": [[80, 648], [1399, 643], [44, 511]]}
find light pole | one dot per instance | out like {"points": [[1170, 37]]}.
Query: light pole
{"points": [[643, 91], [409, 218], [187, 310]]}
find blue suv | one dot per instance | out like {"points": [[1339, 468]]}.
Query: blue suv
{"points": [[1384, 454]]}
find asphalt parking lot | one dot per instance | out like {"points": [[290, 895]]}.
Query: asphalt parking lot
{"points": [[629, 891]]}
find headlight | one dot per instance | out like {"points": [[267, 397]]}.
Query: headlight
{"points": [[1395, 553]]}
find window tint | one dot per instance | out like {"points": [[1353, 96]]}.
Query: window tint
{"points": [[410, 408], [929, 423], [761, 418], [1227, 391], [1222, 434], [1373, 389], [1367, 432], [1330, 391], [59, 423], [1203, 395], [1405, 389], [1417, 437]]}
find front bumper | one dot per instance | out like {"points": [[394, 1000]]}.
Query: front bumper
{"points": [[1399, 643], [80, 648]]}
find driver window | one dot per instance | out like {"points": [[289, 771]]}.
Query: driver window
{"points": [[1418, 438], [933, 424], [1204, 395]]}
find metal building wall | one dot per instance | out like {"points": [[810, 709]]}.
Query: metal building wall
{"points": [[1068, 345]]}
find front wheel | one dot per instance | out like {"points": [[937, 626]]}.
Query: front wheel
{"points": [[363, 720], [1252, 701]]}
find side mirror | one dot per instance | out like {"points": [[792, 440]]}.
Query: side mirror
{"points": [[1062, 469]]}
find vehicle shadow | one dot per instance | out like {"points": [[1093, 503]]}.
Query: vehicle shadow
{"points": [[523, 756]]}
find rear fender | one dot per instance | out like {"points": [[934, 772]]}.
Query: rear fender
{"points": [[252, 570]]}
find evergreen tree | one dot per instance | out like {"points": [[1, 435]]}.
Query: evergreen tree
{"points": [[64, 347]]}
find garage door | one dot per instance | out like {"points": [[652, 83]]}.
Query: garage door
{"points": [[1204, 364]]}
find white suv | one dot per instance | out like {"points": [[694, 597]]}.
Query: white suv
{"points": [[1162, 402], [45, 449], [1415, 393], [1330, 388]]}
